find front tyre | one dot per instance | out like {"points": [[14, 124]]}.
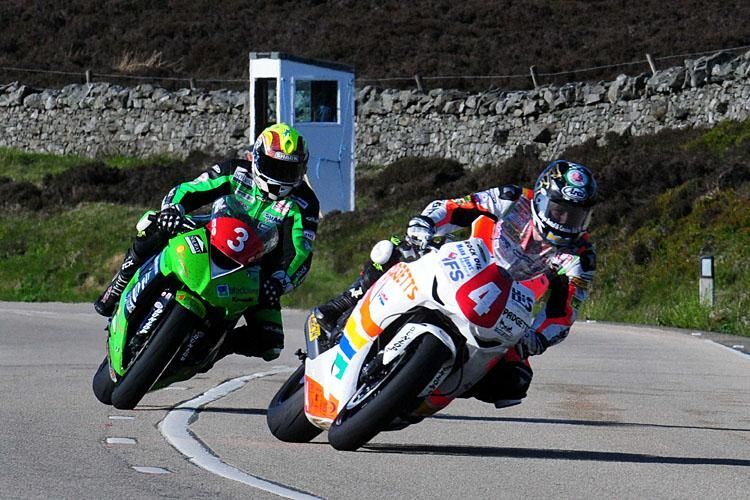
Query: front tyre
{"points": [[151, 362], [379, 402], [103, 384], [286, 413]]}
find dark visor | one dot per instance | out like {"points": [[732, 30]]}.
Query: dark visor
{"points": [[281, 171], [569, 216]]}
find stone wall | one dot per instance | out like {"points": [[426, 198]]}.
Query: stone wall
{"points": [[474, 129], [483, 128], [100, 119]]}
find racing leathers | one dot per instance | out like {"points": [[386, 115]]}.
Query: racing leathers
{"points": [[296, 217], [565, 273]]}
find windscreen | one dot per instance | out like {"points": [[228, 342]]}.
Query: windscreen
{"points": [[238, 235], [515, 246]]}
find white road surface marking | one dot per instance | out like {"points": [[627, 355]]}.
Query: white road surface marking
{"points": [[151, 470], [738, 353], [175, 426], [114, 440]]}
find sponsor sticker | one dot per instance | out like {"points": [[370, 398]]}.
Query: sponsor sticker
{"points": [[285, 157], [222, 290], [313, 328], [272, 219], [196, 244], [515, 319], [302, 203], [576, 177], [574, 193], [525, 301], [452, 267], [483, 199], [201, 178], [282, 207]]}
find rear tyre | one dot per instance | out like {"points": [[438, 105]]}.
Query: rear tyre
{"points": [[286, 414], [151, 362], [387, 397], [103, 384]]}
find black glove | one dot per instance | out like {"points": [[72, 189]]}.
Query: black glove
{"points": [[270, 292], [170, 219], [531, 344]]}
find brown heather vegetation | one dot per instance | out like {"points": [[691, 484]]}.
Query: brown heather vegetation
{"points": [[387, 38]]}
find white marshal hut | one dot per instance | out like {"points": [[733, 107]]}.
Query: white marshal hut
{"points": [[317, 98]]}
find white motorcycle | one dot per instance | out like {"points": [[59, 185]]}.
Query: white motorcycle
{"points": [[425, 333]]}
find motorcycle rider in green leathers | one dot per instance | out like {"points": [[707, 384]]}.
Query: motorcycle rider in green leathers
{"points": [[271, 182]]}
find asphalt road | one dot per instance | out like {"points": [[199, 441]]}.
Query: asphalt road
{"points": [[614, 412]]}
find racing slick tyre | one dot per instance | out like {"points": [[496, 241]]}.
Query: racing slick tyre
{"points": [[103, 384], [286, 413], [385, 396], [153, 358]]}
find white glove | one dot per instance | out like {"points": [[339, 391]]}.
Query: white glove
{"points": [[420, 231], [531, 344]]}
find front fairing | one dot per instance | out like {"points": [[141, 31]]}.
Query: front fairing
{"points": [[221, 262], [209, 276], [189, 258]]}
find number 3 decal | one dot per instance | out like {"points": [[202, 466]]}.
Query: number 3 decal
{"points": [[241, 239]]}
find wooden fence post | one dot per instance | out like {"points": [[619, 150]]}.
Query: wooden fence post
{"points": [[651, 63], [420, 83], [532, 70]]}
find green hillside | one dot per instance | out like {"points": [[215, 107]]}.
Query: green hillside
{"points": [[666, 200]]}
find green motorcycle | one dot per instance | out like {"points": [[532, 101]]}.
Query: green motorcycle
{"points": [[176, 311]]}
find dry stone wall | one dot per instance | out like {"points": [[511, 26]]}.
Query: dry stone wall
{"points": [[101, 119], [474, 129], [477, 129]]}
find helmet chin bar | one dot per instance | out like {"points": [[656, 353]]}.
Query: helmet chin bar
{"points": [[546, 229], [270, 189]]}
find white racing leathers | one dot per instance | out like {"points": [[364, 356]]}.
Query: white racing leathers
{"points": [[566, 272]]}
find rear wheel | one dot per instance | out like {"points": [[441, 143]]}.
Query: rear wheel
{"points": [[386, 393], [153, 359], [103, 384], [286, 414]]}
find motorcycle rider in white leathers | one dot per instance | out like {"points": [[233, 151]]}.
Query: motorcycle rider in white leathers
{"points": [[540, 237]]}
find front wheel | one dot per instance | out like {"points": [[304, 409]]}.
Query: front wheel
{"points": [[153, 359], [286, 414], [384, 397], [103, 384]]}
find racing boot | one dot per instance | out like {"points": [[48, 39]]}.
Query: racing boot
{"points": [[329, 314], [105, 304], [262, 337]]}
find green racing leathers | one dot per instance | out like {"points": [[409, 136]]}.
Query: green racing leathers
{"points": [[296, 218]]}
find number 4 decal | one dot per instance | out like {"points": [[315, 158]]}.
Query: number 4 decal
{"points": [[484, 297]]}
